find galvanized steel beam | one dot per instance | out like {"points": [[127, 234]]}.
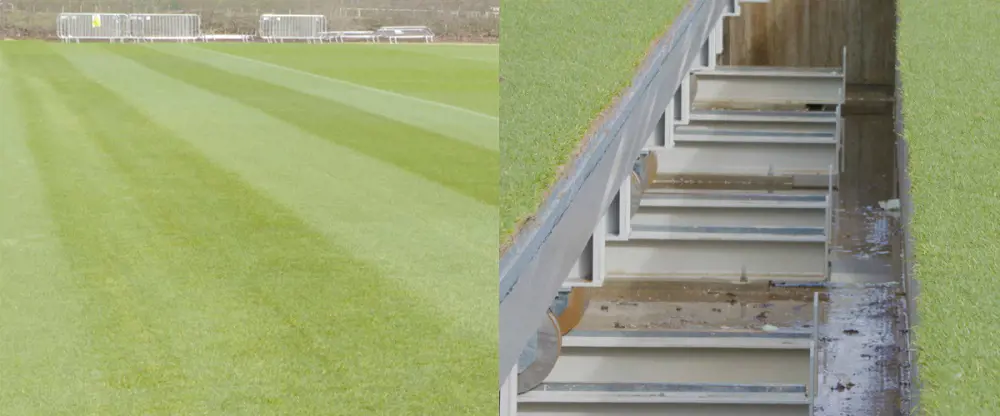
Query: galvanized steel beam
{"points": [[533, 268]]}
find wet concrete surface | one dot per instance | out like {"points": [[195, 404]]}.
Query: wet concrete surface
{"points": [[859, 356], [865, 249]]}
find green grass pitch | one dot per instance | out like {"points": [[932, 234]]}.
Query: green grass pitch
{"points": [[562, 63], [951, 110], [248, 229]]}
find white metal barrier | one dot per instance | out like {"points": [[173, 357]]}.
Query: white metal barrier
{"points": [[74, 27], [165, 27], [395, 33], [292, 27], [231, 37], [342, 36]]}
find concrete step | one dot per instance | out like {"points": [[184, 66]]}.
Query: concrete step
{"points": [[728, 85], [816, 235], [683, 357], [695, 136], [787, 340], [708, 199], [778, 125], [741, 182], [661, 409], [664, 393], [747, 220], [747, 159], [770, 117], [715, 260]]}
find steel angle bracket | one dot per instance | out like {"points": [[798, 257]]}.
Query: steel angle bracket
{"points": [[533, 267]]}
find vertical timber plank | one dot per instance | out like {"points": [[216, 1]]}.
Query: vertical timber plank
{"points": [[758, 52]]}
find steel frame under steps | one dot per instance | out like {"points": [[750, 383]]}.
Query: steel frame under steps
{"points": [[738, 194]]}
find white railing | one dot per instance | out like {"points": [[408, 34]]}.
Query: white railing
{"points": [[164, 27], [278, 28], [120, 27], [395, 33], [348, 35], [232, 37], [273, 28], [74, 27]]}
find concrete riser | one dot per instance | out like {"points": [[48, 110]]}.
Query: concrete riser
{"points": [[730, 217], [747, 159], [681, 365], [785, 127], [714, 91], [717, 260], [607, 409]]}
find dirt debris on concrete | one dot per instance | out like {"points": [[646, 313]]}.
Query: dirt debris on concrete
{"points": [[647, 305]]}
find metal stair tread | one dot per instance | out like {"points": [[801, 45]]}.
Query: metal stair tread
{"points": [[706, 233], [739, 193], [772, 71], [732, 136], [666, 393], [733, 200], [764, 116], [732, 160], [750, 340]]}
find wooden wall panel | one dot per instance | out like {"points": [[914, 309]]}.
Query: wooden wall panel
{"points": [[812, 33]]}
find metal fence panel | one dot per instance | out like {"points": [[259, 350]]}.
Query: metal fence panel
{"points": [[395, 33], [171, 27], [282, 27], [92, 26]]}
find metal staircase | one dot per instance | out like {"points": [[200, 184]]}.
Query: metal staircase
{"points": [[645, 372], [737, 184], [693, 372]]}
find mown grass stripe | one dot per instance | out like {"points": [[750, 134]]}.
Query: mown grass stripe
{"points": [[40, 343], [488, 54], [477, 129], [437, 238], [112, 312], [465, 168], [308, 75], [305, 316], [392, 73]]}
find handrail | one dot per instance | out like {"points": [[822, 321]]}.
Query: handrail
{"points": [[535, 265]]}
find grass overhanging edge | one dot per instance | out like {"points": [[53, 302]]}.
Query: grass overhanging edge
{"points": [[524, 223]]}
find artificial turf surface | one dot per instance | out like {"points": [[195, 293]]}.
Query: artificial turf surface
{"points": [[247, 229], [562, 62], [949, 65]]}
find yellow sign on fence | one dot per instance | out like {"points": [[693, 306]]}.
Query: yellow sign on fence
{"points": [[96, 20]]}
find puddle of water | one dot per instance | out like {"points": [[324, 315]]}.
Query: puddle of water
{"points": [[866, 233], [866, 246]]}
